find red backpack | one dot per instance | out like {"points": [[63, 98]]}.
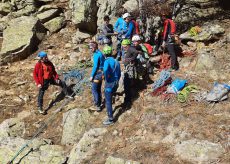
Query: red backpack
{"points": [[136, 30], [149, 48]]}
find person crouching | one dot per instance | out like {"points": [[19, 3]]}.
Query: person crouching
{"points": [[44, 75], [112, 74]]}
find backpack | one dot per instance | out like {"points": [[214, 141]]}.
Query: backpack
{"points": [[147, 48], [136, 28]]}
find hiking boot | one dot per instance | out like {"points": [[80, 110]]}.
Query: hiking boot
{"points": [[108, 122], [96, 108], [41, 111]]}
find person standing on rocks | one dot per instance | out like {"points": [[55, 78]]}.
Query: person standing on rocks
{"points": [[112, 74], [96, 74], [45, 75], [106, 31], [129, 59], [169, 40]]}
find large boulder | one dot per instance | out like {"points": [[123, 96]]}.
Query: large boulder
{"points": [[84, 14], [48, 15], [206, 60], [12, 127], [38, 151], [131, 5], [5, 8], [74, 125], [208, 32], [113, 160], [196, 151], [195, 11], [55, 24], [80, 37], [86, 146], [107, 7], [21, 38]]}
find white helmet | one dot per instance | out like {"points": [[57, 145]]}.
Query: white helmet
{"points": [[136, 38], [126, 15]]}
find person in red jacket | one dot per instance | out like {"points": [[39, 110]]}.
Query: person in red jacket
{"points": [[44, 75], [169, 40]]}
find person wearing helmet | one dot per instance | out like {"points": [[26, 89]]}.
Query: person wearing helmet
{"points": [[112, 74], [44, 75], [106, 31], [129, 60], [126, 32], [96, 74]]}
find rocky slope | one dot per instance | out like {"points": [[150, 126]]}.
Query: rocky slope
{"points": [[152, 131]]}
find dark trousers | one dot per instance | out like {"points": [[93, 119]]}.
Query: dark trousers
{"points": [[46, 85], [127, 88], [172, 53], [110, 89], [96, 91]]}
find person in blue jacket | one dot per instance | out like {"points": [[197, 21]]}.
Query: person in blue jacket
{"points": [[126, 32], [129, 28], [96, 74], [112, 74]]}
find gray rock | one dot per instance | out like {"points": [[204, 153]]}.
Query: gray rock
{"points": [[26, 11], [74, 125], [79, 37], [20, 38], [86, 146], [48, 15], [130, 5], [42, 151], [113, 160], [12, 127], [206, 60], [197, 151], [209, 32], [84, 14], [5, 8], [107, 7], [45, 0], [228, 38], [55, 24]]}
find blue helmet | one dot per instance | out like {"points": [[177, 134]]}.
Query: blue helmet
{"points": [[42, 54]]}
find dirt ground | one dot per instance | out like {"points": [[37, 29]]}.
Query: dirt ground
{"points": [[137, 132]]}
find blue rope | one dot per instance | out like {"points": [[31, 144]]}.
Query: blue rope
{"points": [[164, 75], [80, 81]]}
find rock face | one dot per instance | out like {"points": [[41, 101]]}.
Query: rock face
{"points": [[131, 5], [84, 14], [108, 7], [20, 38], [197, 10], [74, 125], [206, 60], [112, 160], [199, 151], [5, 8], [12, 128], [37, 152], [209, 32], [54, 24], [48, 15], [86, 146], [79, 37]]}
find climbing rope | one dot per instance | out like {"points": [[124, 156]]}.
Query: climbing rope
{"points": [[165, 76], [183, 95], [80, 82]]}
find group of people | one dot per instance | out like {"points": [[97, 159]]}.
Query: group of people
{"points": [[134, 54]]}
